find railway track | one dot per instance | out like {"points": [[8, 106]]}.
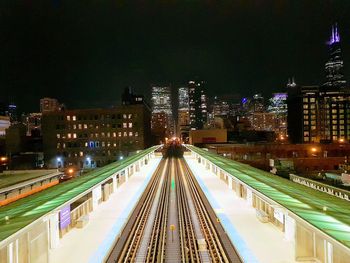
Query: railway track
{"points": [[197, 238]]}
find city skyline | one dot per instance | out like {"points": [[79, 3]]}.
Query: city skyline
{"points": [[87, 62]]}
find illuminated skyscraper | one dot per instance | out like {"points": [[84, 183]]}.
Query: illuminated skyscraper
{"points": [[183, 115], [334, 65], [162, 103], [183, 98], [278, 106]]}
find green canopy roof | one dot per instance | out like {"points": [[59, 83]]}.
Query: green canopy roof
{"points": [[305, 202], [27, 210]]}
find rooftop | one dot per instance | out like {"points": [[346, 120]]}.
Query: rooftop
{"points": [[329, 214], [25, 211], [9, 179]]}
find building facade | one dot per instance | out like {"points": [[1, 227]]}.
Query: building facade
{"points": [[49, 104], [94, 137]]}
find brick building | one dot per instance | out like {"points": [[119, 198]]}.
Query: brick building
{"points": [[89, 138]]}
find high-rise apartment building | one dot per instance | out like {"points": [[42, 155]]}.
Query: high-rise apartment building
{"points": [[198, 108], [316, 115]]}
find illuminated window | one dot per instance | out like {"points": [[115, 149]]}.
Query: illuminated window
{"points": [[130, 133], [103, 144], [114, 144], [108, 134], [119, 134], [129, 116], [81, 153], [130, 124], [85, 126], [124, 116], [58, 135], [86, 144], [74, 135], [68, 118], [136, 134], [114, 134], [125, 134], [58, 145], [74, 127], [74, 118], [80, 126], [312, 99], [102, 134], [69, 135], [125, 125]]}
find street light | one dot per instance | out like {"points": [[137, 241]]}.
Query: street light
{"points": [[121, 157], [313, 149], [341, 140]]}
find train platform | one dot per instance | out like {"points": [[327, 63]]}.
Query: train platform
{"points": [[239, 220], [93, 241]]}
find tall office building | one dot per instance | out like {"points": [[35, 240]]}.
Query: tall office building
{"points": [[12, 111], [334, 65], [278, 106], [257, 103], [161, 100], [183, 120], [183, 98], [198, 104], [321, 113]]}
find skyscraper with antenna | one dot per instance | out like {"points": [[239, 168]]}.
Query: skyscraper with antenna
{"points": [[334, 66]]}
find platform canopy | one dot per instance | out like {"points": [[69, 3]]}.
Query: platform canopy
{"points": [[328, 213]]}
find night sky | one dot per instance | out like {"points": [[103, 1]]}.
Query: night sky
{"points": [[85, 52]]}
